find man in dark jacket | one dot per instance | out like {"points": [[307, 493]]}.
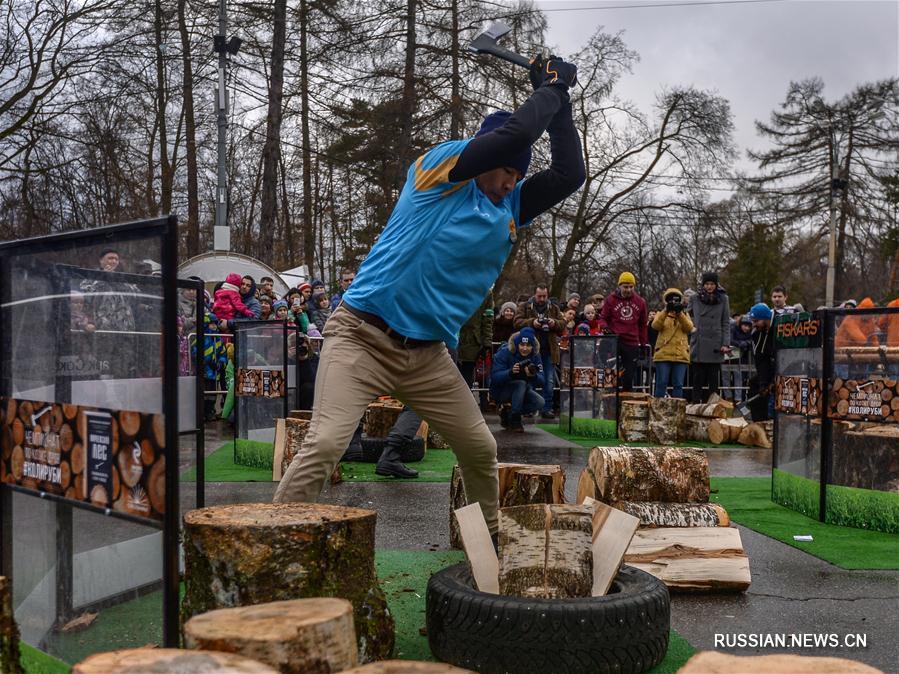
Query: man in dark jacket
{"points": [[710, 310], [475, 339], [546, 320], [517, 369], [741, 338], [763, 352], [624, 314]]}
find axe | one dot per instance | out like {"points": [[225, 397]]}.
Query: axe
{"points": [[485, 43]]}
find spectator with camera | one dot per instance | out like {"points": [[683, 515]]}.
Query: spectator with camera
{"points": [[672, 347], [517, 371], [547, 322], [624, 314], [710, 311]]}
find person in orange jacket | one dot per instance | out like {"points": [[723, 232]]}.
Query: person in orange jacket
{"points": [[858, 330], [891, 325]]}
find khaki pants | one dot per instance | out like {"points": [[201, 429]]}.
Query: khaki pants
{"points": [[359, 363]]}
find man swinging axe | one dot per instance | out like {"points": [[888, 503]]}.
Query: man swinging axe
{"points": [[448, 237]]}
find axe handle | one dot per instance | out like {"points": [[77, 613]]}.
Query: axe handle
{"points": [[506, 54]]}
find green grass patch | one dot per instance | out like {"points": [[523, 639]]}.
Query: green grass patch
{"points": [[863, 508], [748, 502], [604, 429], [591, 441], [437, 466], [220, 467], [254, 454], [796, 493], [34, 661]]}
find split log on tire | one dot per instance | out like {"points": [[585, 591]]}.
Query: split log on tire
{"points": [[519, 484], [633, 421], [493, 634], [380, 417], [726, 430], [704, 559], [254, 553], [9, 631], [546, 551], [695, 428], [669, 474], [711, 662], [407, 667], [299, 636], [666, 416], [754, 435], [169, 661], [655, 514]]}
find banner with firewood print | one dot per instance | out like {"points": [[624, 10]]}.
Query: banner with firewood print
{"points": [[107, 458], [875, 399], [798, 395], [259, 383]]}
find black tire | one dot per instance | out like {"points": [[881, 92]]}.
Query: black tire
{"points": [[625, 632], [373, 447]]}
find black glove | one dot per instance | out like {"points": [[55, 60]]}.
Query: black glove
{"points": [[554, 71], [535, 73]]}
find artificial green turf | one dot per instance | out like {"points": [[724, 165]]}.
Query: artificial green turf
{"points": [[220, 467], [254, 454], [34, 661], [403, 575], [437, 466], [590, 428], [748, 502], [596, 441]]}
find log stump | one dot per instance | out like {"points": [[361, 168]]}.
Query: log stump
{"points": [[546, 551], [300, 636], [633, 422], [295, 433], [666, 415], [169, 661], [655, 514], [301, 414], [669, 474], [380, 417], [9, 631], [519, 484], [254, 553], [694, 428], [711, 662], [723, 431], [407, 667]]}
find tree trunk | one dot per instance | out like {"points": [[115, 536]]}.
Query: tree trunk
{"points": [[169, 660], [669, 474], [713, 662], [695, 428], [305, 113], [300, 636], [407, 667], [546, 551], [692, 558], [666, 416], [271, 150], [246, 554], [187, 86], [726, 430], [408, 102], [166, 175], [655, 514], [9, 631], [633, 422], [519, 484], [456, 121]]}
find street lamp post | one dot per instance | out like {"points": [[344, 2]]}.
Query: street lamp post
{"points": [[221, 233]]}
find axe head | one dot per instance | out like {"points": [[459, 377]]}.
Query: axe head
{"points": [[486, 40]]}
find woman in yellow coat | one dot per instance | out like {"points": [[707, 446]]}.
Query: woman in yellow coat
{"points": [[672, 350]]}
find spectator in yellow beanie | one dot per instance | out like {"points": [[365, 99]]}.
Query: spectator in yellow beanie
{"points": [[624, 313], [626, 278]]}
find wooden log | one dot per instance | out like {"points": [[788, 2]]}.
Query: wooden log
{"points": [[295, 430], [666, 416], [711, 662], [670, 474], [519, 484], [612, 534], [254, 553], [407, 667], [695, 428], [169, 661], [478, 547], [301, 414], [546, 551], [868, 458], [754, 435], [9, 631], [655, 514], [726, 430], [633, 421], [298, 636], [435, 441], [380, 417], [710, 410], [692, 558]]}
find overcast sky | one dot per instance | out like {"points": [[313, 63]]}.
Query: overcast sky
{"points": [[747, 51]]}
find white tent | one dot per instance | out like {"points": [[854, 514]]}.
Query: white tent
{"points": [[214, 267]]}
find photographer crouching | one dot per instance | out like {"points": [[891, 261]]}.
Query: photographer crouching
{"points": [[517, 370], [672, 347]]}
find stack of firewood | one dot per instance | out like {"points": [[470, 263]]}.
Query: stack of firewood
{"points": [[714, 422]]}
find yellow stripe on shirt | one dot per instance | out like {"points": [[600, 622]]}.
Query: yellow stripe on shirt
{"points": [[425, 179]]}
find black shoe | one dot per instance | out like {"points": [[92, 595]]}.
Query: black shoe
{"points": [[515, 423], [394, 469], [547, 415], [504, 417]]}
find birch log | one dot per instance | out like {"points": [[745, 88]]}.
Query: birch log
{"points": [[726, 430], [633, 422], [655, 514], [169, 661], [695, 428], [754, 435], [546, 551], [299, 636], [669, 474], [666, 415]]}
